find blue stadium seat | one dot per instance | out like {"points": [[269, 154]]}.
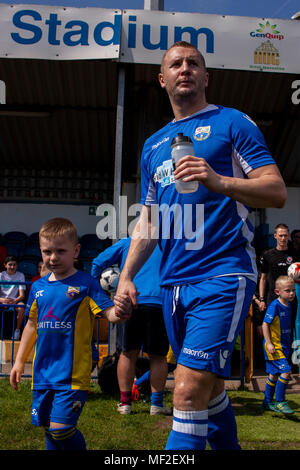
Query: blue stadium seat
{"points": [[88, 253], [90, 240], [28, 268], [13, 249], [15, 236], [33, 237], [31, 252], [87, 266]]}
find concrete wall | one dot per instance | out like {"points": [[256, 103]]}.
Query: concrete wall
{"points": [[29, 217], [289, 215]]}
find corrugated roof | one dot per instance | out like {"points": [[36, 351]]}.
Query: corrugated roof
{"points": [[61, 117]]}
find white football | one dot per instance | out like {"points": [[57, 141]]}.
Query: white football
{"points": [[109, 279], [294, 271]]}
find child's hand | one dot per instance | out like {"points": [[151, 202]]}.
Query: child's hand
{"points": [[123, 306], [15, 376], [271, 348]]}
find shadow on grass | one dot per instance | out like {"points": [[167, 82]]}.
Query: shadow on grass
{"points": [[251, 406]]}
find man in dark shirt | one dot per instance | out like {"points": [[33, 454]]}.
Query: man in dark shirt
{"points": [[274, 263]]}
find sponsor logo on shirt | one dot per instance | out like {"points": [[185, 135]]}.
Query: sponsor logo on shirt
{"points": [[51, 323], [202, 133], [39, 293], [164, 173]]}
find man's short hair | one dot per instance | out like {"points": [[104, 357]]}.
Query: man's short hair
{"points": [[186, 45], [281, 226], [59, 227]]}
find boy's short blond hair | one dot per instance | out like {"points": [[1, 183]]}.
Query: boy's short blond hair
{"points": [[282, 279], [59, 227]]}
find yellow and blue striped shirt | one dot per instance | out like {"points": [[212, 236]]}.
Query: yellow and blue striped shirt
{"points": [[64, 313]]}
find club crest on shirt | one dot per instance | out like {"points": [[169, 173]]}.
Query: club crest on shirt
{"points": [[73, 292], [202, 133]]}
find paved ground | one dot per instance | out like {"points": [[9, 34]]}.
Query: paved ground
{"points": [[257, 383]]}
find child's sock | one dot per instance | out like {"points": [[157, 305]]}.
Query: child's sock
{"points": [[68, 438], [222, 429], [270, 390], [51, 444], [157, 398], [125, 398], [189, 430], [281, 388]]}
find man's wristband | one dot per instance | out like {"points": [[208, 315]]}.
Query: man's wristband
{"points": [[262, 299]]}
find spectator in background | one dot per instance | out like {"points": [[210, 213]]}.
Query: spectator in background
{"points": [[42, 271], [13, 293], [38, 275]]}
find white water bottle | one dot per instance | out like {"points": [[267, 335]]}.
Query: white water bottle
{"points": [[181, 146]]}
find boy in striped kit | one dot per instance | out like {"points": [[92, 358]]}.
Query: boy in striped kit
{"points": [[277, 343], [60, 313]]}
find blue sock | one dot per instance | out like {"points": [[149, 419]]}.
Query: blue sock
{"points": [[68, 438], [270, 390], [189, 430], [157, 398], [143, 378], [222, 429], [51, 444], [281, 388]]}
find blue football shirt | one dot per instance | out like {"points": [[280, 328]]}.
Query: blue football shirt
{"points": [[203, 234], [64, 313], [146, 280]]}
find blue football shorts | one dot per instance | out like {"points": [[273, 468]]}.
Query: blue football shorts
{"points": [[277, 367], [204, 319], [57, 406]]}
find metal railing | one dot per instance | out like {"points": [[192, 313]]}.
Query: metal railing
{"points": [[7, 308]]}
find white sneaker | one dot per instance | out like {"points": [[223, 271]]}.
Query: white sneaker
{"points": [[124, 409], [160, 410], [17, 335]]}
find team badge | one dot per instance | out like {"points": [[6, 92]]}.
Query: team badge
{"points": [[73, 292], [202, 133]]}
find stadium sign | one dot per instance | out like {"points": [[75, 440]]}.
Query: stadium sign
{"points": [[142, 36]]}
